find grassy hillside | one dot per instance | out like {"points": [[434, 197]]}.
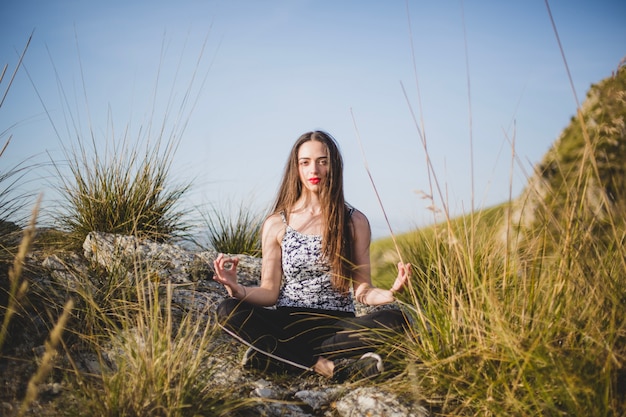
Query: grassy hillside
{"points": [[520, 309], [384, 254], [583, 176]]}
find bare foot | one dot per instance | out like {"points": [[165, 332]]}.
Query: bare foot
{"points": [[324, 367]]}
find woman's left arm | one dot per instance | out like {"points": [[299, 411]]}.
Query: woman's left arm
{"points": [[364, 291]]}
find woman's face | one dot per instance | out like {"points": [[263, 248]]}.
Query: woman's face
{"points": [[313, 164]]}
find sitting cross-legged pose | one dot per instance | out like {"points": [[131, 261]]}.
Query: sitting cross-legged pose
{"points": [[316, 261]]}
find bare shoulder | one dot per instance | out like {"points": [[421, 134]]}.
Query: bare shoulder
{"points": [[359, 219], [273, 227], [360, 222]]}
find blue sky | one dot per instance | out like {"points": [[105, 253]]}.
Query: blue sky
{"points": [[476, 73]]}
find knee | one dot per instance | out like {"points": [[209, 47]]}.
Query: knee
{"points": [[402, 319], [393, 318]]}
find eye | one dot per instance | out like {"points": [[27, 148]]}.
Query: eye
{"points": [[323, 161]]}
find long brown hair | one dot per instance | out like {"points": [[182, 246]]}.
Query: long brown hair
{"points": [[337, 231]]}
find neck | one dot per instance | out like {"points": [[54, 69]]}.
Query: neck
{"points": [[309, 205]]}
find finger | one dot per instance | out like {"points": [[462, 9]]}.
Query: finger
{"points": [[216, 275], [217, 260], [219, 268], [230, 263]]}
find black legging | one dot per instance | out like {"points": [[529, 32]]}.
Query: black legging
{"points": [[302, 335]]}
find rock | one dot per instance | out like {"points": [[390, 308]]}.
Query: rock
{"points": [[263, 389], [318, 399], [67, 269], [196, 301], [170, 262], [375, 402]]}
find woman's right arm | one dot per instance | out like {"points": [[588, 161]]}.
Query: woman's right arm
{"points": [[266, 293]]}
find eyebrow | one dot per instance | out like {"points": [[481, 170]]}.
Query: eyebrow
{"points": [[308, 157]]}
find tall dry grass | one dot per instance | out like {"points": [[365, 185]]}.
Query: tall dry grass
{"points": [[513, 320], [523, 318], [161, 360], [498, 334], [517, 317], [13, 202], [156, 360], [18, 287]]}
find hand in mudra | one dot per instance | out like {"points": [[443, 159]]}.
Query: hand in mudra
{"points": [[403, 278], [226, 271]]}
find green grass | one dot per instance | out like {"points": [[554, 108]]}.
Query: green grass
{"points": [[539, 332], [234, 231], [125, 191], [424, 243], [163, 363], [524, 317], [533, 339]]}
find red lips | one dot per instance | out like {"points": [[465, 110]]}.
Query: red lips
{"points": [[314, 180]]}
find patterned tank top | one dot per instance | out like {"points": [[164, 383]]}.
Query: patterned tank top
{"points": [[306, 276]]}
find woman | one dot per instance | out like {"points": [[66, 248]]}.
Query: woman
{"points": [[315, 260]]}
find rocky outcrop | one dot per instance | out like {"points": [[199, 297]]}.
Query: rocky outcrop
{"points": [[171, 262], [189, 275]]}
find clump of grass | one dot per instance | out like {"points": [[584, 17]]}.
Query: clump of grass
{"points": [[12, 202], [124, 192], [125, 185], [14, 205], [163, 364], [155, 358], [17, 286], [238, 233], [101, 295], [16, 300], [527, 318], [542, 337], [46, 363]]}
